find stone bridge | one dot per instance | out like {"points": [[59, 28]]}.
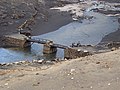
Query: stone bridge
{"points": [[49, 47]]}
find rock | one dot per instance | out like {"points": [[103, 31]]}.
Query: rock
{"points": [[24, 62], [72, 70], [16, 63], [0, 64], [22, 75], [107, 66], [56, 60], [37, 74], [65, 59], [91, 87], [72, 78], [117, 78], [97, 62], [109, 84], [85, 51], [6, 84], [4, 23], [4, 16], [4, 64], [36, 84], [44, 67], [40, 61], [7, 64], [34, 61], [49, 62], [113, 49], [68, 74], [79, 50]]}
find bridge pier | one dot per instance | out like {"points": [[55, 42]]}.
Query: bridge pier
{"points": [[73, 53], [48, 48]]}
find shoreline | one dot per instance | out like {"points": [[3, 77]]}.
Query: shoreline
{"points": [[112, 36]]}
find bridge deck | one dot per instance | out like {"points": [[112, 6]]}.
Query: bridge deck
{"points": [[44, 41], [36, 40], [60, 46]]}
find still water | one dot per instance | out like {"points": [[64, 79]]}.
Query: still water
{"points": [[88, 32]]}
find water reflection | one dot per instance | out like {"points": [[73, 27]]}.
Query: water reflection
{"points": [[14, 54], [49, 56], [26, 50]]}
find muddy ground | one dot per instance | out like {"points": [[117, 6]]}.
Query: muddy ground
{"points": [[13, 14]]}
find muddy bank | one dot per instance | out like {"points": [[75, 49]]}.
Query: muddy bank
{"points": [[112, 1], [115, 36]]}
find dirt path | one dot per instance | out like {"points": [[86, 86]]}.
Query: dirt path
{"points": [[97, 72]]}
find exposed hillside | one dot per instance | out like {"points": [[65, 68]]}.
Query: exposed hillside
{"points": [[15, 12]]}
